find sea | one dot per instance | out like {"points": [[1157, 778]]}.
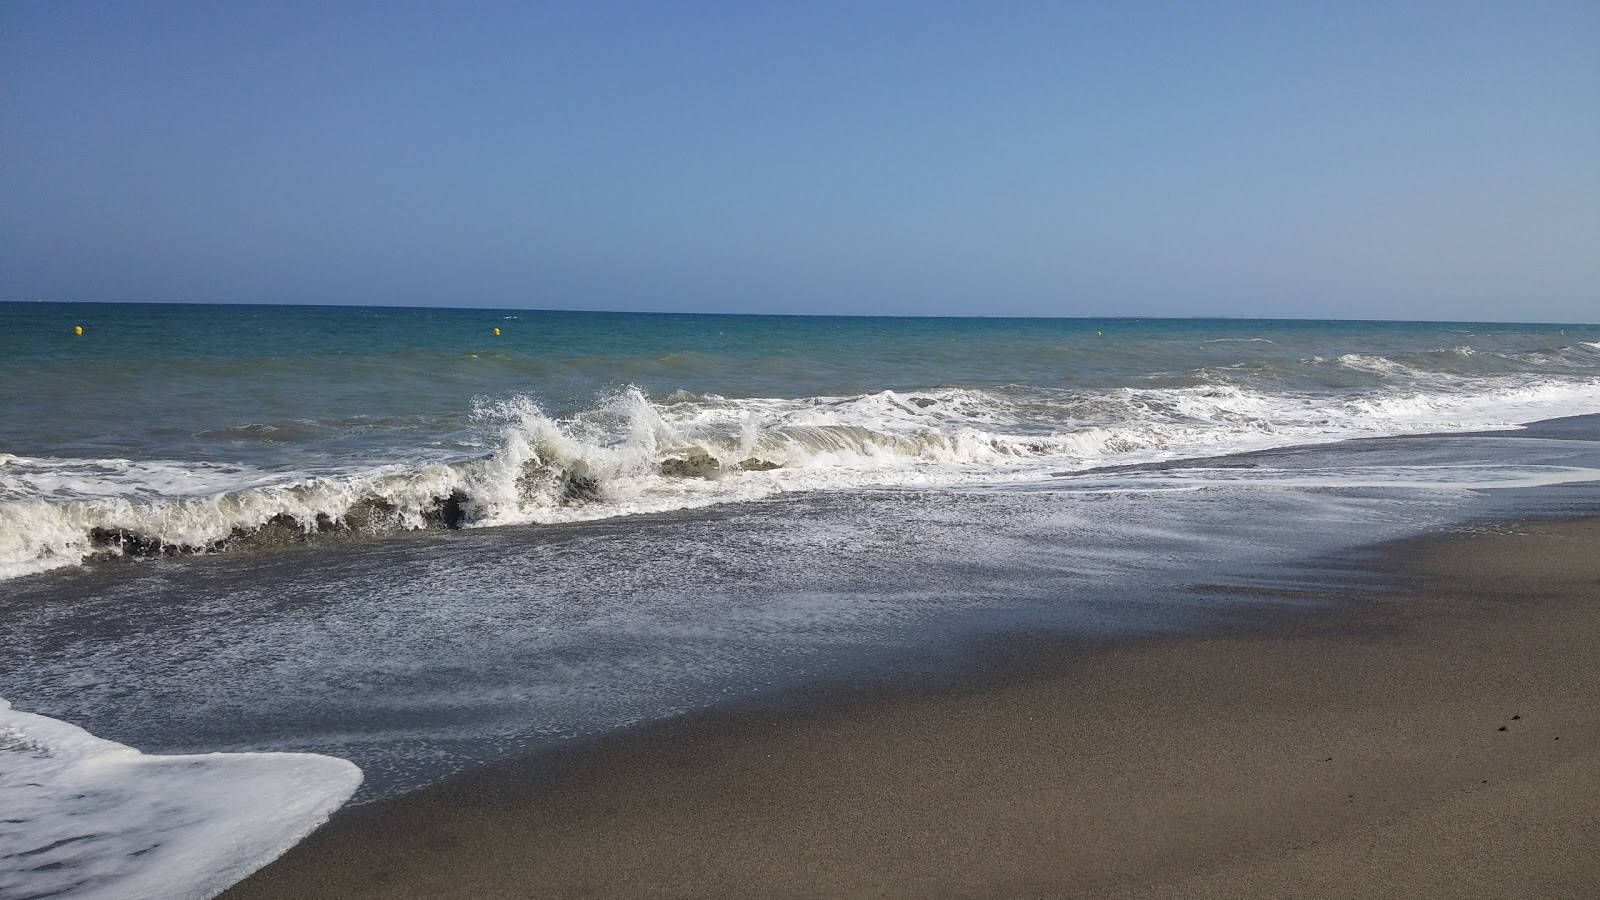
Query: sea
{"points": [[357, 550]]}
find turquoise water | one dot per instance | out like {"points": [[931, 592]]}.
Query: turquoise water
{"points": [[161, 379], [185, 427]]}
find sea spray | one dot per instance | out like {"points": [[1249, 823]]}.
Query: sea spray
{"points": [[629, 453]]}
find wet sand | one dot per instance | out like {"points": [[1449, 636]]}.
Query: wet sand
{"points": [[1437, 741]]}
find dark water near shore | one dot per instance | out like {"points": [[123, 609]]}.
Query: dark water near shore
{"points": [[426, 654]]}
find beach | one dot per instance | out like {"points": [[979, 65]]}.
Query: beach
{"points": [[930, 608], [796, 451], [1439, 739]]}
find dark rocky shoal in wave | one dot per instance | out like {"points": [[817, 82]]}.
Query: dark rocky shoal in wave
{"points": [[453, 511]]}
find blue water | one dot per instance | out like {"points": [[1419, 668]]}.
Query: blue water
{"points": [[173, 428], [391, 536], [144, 377]]}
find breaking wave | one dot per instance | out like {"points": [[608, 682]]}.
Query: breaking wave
{"points": [[632, 453]]}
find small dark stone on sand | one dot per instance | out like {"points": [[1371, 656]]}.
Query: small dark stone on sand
{"points": [[1502, 728], [1514, 718]]}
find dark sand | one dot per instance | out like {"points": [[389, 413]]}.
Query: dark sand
{"points": [[1437, 742]]}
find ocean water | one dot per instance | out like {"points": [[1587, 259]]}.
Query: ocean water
{"points": [[246, 539], [178, 429]]}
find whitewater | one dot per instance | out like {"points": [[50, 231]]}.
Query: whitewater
{"points": [[354, 444], [95, 820]]}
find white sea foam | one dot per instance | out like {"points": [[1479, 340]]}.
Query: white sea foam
{"points": [[1376, 365], [91, 819], [1450, 478], [630, 454]]}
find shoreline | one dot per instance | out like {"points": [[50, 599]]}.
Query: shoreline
{"points": [[1578, 428], [1353, 749]]}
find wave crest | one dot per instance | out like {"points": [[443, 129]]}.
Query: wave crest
{"points": [[631, 454]]}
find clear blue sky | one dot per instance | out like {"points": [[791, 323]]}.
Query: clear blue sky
{"points": [[1395, 160]]}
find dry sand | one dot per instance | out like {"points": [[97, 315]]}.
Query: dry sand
{"points": [[1437, 742]]}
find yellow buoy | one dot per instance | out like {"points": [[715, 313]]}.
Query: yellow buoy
{"points": [[77, 329], [1097, 334], [497, 332]]}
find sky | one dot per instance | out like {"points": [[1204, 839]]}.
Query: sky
{"points": [[1353, 160]]}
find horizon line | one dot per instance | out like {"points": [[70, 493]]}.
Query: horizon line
{"points": [[638, 312]]}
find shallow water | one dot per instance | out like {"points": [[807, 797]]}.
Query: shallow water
{"points": [[92, 819], [428, 653]]}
